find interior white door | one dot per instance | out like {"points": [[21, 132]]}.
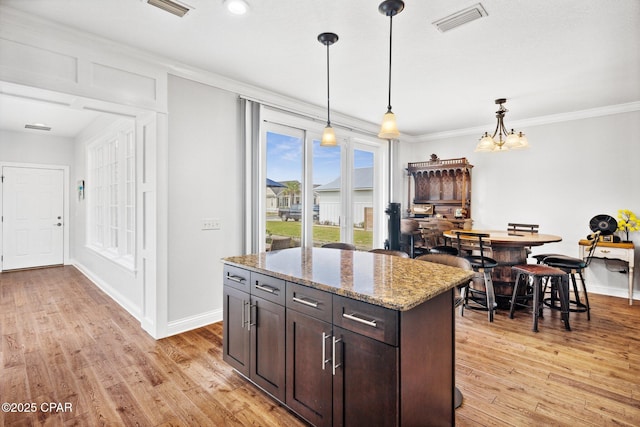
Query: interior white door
{"points": [[32, 213]]}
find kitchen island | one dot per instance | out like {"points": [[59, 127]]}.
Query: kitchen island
{"points": [[345, 337]]}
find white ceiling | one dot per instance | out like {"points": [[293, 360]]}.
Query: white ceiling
{"points": [[546, 57]]}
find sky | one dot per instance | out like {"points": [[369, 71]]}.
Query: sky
{"points": [[284, 159]]}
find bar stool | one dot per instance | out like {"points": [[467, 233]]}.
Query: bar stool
{"points": [[392, 252], [572, 266], [340, 245], [537, 272], [482, 264]]}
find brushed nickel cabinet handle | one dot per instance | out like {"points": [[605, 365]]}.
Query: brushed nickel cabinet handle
{"points": [[266, 288], [244, 313], [313, 304], [324, 349], [255, 323], [237, 279], [334, 365], [355, 318]]}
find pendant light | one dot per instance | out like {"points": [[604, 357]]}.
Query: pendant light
{"points": [[511, 141], [389, 128], [329, 135]]}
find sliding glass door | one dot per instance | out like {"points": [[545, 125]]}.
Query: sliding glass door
{"points": [[284, 207], [315, 195]]}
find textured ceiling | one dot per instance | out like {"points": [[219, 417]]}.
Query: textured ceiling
{"points": [[546, 57]]}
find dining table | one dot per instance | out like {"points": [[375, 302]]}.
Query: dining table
{"points": [[508, 248]]}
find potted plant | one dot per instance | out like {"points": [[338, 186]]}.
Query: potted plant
{"points": [[627, 221]]}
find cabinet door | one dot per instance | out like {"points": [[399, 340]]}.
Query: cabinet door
{"points": [[267, 342], [309, 378], [365, 386], [236, 343]]}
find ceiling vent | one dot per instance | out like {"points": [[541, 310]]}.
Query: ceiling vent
{"points": [[460, 18], [170, 6], [37, 126]]}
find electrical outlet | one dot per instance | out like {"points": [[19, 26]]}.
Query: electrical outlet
{"points": [[211, 224]]}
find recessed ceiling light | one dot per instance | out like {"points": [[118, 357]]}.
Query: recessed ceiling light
{"points": [[38, 126], [237, 7]]}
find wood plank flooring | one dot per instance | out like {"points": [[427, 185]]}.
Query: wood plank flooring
{"points": [[64, 341]]}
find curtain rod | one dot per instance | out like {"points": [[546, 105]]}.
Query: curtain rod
{"points": [[307, 116]]}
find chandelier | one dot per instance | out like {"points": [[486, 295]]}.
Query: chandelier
{"points": [[502, 140]]}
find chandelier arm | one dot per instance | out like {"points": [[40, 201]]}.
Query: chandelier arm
{"points": [[503, 130], [495, 132]]}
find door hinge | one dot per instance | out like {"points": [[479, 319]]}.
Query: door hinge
{"points": [[1, 178]]}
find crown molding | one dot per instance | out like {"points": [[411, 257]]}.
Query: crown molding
{"points": [[537, 121]]}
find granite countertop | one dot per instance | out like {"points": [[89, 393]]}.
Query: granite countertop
{"points": [[388, 281]]}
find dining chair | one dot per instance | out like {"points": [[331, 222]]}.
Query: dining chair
{"points": [[517, 228], [340, 245], [411, 240], [514, 227], [391, 252], [443, 245], [472, 247]]}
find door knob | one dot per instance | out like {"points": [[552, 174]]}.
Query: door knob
{"points": [[58, 224]]}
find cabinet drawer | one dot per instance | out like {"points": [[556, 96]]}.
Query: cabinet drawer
{"points": [[310, 301], [267, 287], [618, 253], [236, 277], [367, 319]]}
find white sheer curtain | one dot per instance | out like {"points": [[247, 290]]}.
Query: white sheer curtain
{"points": [[250, 111]]}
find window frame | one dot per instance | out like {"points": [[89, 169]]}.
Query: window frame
{"points": [[349, 140], [111, 193]]}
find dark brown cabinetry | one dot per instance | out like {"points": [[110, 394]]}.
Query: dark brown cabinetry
{"points": [[347, 362], [309, 345], [254, 321], [236, 343]]}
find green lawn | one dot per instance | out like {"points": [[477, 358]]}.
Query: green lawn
{"points": [[321, 233]]}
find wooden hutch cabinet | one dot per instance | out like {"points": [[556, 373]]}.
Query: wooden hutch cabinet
{"points": [[441, 189]]}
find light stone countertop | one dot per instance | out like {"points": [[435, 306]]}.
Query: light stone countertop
{"points": [[388, 281]]}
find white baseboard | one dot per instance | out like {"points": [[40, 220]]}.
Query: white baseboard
{"points": [[604, 290], [125, 303], [192, 322]]}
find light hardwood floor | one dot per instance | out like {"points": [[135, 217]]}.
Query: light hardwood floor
{"points": [[64, 341]]}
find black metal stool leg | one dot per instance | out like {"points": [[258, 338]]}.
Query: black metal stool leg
{"points": [[514, 295], [563, 289], [586, 295], [536, 302]]}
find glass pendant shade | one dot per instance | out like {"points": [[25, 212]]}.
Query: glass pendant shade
{"points": [[524, 143], [389, 128], [513, 140], [328, 137], [486, 143]]}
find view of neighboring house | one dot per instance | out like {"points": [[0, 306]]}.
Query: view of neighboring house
{"points": [[284, 194], [329, 197]]}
